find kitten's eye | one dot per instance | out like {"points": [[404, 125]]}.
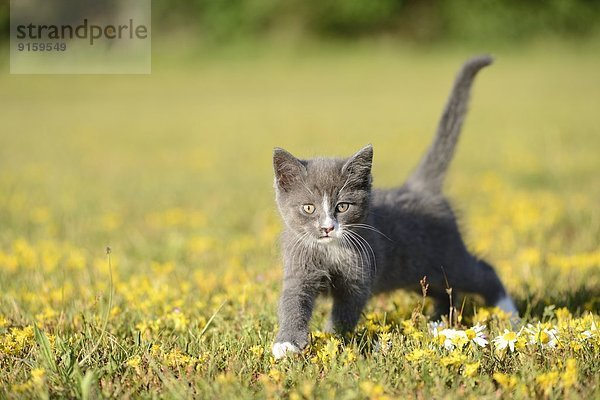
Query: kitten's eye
{"points": [[308, 208], [342, 207]]}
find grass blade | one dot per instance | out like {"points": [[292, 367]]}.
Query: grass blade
{"points": [[46, 349]]}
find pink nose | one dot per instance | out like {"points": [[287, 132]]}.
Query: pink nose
{"points": [[327, 229]]}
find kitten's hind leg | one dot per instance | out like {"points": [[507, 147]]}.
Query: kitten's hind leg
{"points": [[488, 284], [348, 303], [442, 303]]}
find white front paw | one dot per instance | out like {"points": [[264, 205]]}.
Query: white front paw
{"points": [[280, 349]]}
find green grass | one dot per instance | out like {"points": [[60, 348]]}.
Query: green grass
{"points": [[173, 172]]}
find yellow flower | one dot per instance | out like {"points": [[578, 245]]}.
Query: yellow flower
{"points": [[295, 396], [175, 358], [419, 354], [115, 311], [501, 315], [17, 341], [257, 351], [373, 391], [506, 381], [134, 361], [225, 378], [408, 327], [25, 253], [275, 375], [563, 315], [155, 350], [471, 369], [8, 262], [521, 343], [37, 376], [547, 381], [454, 359], [304, 391], [442, 339], [46, 316], [417, 335], [307, 389], [579, 261], [177, 320], [76, 260], [530, 256], [328, 352], [349, 356], [575, 345], [569, 377], [21, 387]]}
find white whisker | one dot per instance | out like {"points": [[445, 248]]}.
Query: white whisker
{"points": [[297, 249], [365, 244], [369, 227], [364, 262], [362, 250]]}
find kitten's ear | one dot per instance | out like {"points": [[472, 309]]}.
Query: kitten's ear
{"points": [[360, 163], [288, 169]]}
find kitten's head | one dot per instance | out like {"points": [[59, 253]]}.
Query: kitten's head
{"points": [[321, 198]]}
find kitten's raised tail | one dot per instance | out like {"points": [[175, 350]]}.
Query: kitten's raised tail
{"points": [[429, 175]]}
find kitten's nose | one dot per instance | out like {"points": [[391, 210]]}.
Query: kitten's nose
{"points": [[327, 229]]}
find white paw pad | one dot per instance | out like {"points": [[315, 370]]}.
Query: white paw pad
{"points": [[280, 349]]}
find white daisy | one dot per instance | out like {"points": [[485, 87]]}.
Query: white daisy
{"points": [[447, 337], [544, 336], [475, 334], [589, 333], [507, 339]]}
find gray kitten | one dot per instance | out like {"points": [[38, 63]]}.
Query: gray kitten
{"points": [[343, 238]]}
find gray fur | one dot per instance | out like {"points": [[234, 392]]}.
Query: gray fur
{"points": [[430, 173], [387, 239]]}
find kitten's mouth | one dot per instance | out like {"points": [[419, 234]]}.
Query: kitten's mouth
{"points": [[325, 238]]}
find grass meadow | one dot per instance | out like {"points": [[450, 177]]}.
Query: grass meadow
{"points": [[172, 171]]}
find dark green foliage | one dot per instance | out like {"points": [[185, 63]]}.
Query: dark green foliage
{"points": [[514, 20], [351, 17], [418, 21]]}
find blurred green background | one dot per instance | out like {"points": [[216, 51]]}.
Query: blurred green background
{"points": [[218, 22], [417, 21]]}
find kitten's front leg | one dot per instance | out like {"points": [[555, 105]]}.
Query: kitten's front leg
{"points": [[295, 310]]}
